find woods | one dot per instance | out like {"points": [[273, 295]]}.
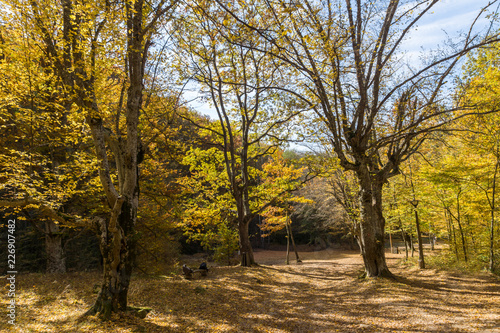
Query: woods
{"points": [[323, 130]]}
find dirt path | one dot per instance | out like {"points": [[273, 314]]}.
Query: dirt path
{"points": [[339, 257], [322, 294], [342, 260], [419, 301]]}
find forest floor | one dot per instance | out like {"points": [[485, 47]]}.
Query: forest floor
{"points": [[321, 294]]}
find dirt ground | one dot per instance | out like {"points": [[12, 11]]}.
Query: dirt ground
{"points": [[321, 294]]}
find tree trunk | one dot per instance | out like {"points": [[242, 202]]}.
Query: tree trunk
{"points": [[77, 71], [390, 241], [414, 203], [455, 245], [246, 251], [405, 238], [462, 236], [293, 243], [458, 218], [56, 261], [491, 266], [372, 227], [421, 262], [118, 249], [412, 245], [448, 225]]}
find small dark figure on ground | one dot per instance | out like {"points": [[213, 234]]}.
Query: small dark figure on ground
{"points": [[203, 269], [188, 272]]}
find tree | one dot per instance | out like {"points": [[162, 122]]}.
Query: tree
{"points": [[210, 210], [481, 87], [414, 203], [166, 139], [253, 118], [377, 115], [79, 39], [45, 154], [453, 177]]}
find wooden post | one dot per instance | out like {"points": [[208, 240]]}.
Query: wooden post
{"points": [[293, 243], [287, 243]]}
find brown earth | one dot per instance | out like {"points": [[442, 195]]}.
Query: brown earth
{"points": [[321, 294]]}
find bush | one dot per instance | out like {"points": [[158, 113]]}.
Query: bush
{"points": [[227, 244]]}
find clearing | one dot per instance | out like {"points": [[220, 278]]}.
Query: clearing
{"points": [[321, 294]]}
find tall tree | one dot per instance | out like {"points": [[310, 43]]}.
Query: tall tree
{"points": [[377, 114], [78, 39], [253, 118], [45, 153]]}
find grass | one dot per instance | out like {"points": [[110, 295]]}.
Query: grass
{"points": [[323, 294]]}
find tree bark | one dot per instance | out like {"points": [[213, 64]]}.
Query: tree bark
{"points": [[491, 266], [462, 236], [459, 222], [77, 69], [56, 260], [118, 250], [404, 236], [372, 226], [455, 245], [421, 262], [390, 241], [246, 251], [293, 243]]}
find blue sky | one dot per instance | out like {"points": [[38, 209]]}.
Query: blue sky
{"points": [[449, 18]]}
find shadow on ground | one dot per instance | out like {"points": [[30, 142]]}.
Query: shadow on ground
{"points": [[322, 294]]}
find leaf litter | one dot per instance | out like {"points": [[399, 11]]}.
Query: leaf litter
{"points": [[322, 294]]}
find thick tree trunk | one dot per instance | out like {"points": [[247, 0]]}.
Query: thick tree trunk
{"points": [[448, 225], [372, 227], [118, 250], [56, 261], [246, 250]]}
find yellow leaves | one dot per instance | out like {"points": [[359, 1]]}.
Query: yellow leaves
{"points": [[275, 219], [484, 90]]}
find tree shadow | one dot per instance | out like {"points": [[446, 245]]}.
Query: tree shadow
{"points": [[314, 297]]}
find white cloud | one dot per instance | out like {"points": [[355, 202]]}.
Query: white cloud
{"points": [[449, 19]]}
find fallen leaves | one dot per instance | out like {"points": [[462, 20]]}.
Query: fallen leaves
{"points": [[323, 294]]}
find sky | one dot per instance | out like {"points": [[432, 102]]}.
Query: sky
{"points": [[449, 18]]}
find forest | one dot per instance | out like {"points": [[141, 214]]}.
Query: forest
{"points": [[248, 166]]}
